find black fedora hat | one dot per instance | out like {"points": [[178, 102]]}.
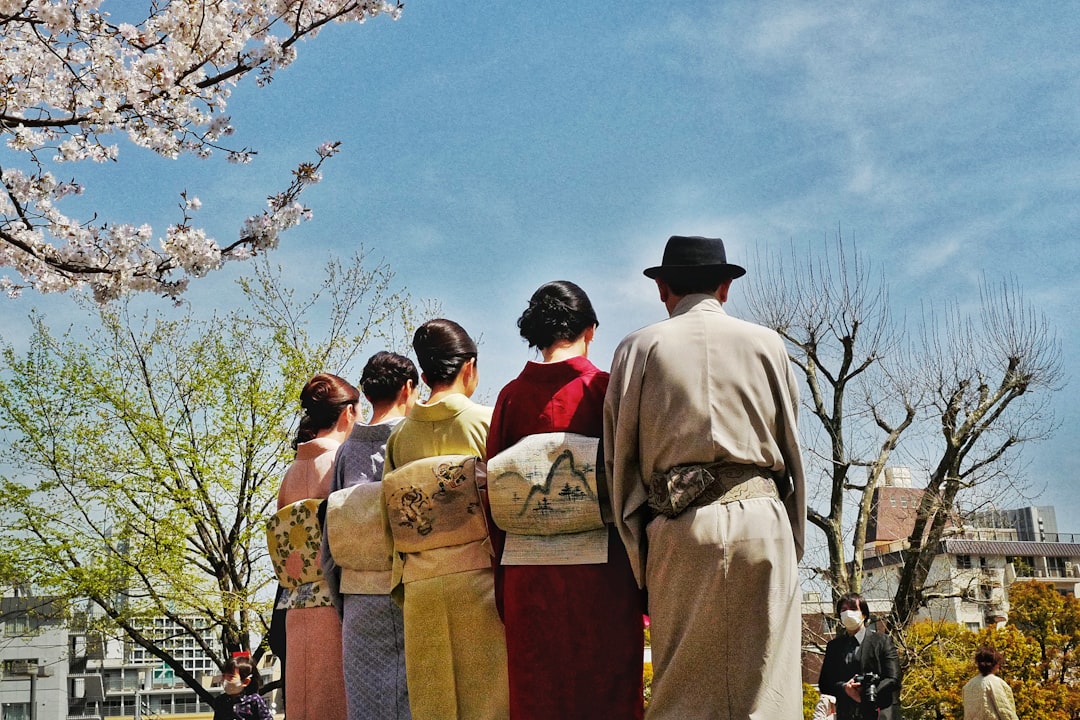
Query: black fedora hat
{"points": [[694, 253]]}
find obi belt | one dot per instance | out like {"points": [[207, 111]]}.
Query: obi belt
{"points": [[359, 537], [293, 537], [545, 494], [436, 515]]}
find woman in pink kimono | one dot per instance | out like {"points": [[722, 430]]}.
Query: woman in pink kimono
{"points": [[574, 634], [314, 679]]}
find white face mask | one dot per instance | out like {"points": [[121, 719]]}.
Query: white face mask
{"points": [[233, 686], [852, 620]]}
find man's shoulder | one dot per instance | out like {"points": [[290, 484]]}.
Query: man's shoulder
{"points": [[879, 639], [676, 327]]}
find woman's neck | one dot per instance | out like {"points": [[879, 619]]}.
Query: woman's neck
{"points": [[382, 414], [440, 392], [565, 349], [334, 433]]}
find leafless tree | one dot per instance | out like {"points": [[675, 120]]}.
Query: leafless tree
{"points": [[875, 390]]}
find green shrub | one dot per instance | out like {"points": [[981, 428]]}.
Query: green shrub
{"points": [[648, 683]]}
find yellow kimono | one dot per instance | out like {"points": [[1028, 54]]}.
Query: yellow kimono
{"points": [[455, 645]]}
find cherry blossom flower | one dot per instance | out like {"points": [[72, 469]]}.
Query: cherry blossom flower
{"points": [[71, 78]]}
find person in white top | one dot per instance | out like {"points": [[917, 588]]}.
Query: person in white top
{"points": [[986, 696], [825, 708]]}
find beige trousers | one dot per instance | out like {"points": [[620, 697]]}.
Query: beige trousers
{"points": [[725, 614]]}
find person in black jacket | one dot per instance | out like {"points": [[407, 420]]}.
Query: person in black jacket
{"points": [[853, 659]]}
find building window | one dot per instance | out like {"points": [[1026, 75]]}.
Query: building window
{"points": [[985, 591], [982, 562], [22, 624], [1024, 566], [19, 668], [903, 502], [1055, 567], [973, 626], [17, 711], [963, 562]]}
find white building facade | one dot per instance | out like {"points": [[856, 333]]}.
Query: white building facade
{"points": [[33, 659]]}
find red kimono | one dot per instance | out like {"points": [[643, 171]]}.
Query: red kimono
{"points": [[574, 635]]}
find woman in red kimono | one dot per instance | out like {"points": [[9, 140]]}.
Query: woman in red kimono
{"points": [[574, 633]]}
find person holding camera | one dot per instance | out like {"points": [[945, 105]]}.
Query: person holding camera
{"points": [[861, 667]]}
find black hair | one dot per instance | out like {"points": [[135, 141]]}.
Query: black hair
{"points": [[242, 666], [558, 310], [442, 347], [856, 600], [323, 399], [987, 659], [385, 374], [695, 280]]}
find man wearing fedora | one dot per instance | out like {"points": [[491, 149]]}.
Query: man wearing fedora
{"points": [[706, 484]]}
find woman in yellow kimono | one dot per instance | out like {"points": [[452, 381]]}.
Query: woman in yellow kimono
{"points": [[455, 645], [314, 679]]}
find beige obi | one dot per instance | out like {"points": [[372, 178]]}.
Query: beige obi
{"points": [[543, 492], [672, 491], [293, 537], [359, 537], [436, 515]]}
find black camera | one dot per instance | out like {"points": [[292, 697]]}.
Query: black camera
{"points": [[868, 687]]}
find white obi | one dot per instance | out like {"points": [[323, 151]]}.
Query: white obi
{"points": [[359, 537], [293, 537], [436, 515], [543, 492]]}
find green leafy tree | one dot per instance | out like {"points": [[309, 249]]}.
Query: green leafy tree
{"points": [[148, 455], [938, 660], [1040, 659], [810, 697], [1052, 621]]}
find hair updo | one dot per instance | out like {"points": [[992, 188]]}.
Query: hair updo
{"points": [[558, 310], [442, 347], [323, 398], [987, 659], [385, 374]]}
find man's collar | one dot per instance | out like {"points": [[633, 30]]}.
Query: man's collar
{"points": [[689, 302], [861, 634]]}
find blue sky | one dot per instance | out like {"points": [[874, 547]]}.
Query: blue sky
{"points": [[488, 148]]}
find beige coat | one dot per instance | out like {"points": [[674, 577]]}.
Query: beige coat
{"points": [[988, 697], [699, 387]]}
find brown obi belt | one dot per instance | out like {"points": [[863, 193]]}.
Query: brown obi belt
{"points": [[435, 502], [672, 491]]}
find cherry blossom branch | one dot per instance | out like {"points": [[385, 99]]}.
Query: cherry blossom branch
{"points": [[69, 77]]}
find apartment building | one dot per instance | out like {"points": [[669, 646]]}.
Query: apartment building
{"points": [[55, 666], [33, 658], [978, 558]]}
